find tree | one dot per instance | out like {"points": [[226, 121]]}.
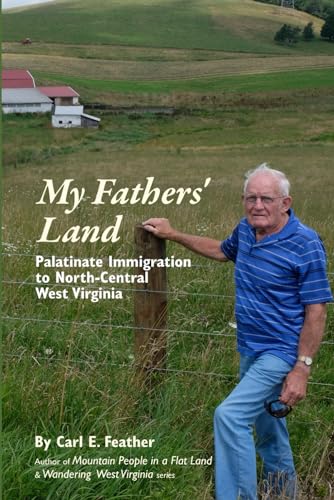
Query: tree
{"points": [[280, 35], [327, 31], [314, 7], [308, 32], [287, 34]]}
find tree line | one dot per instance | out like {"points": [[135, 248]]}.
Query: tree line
{"points": [[319, 8], [291, 34]]}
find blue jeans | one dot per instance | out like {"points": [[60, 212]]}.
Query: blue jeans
{"points": [[261, 380]]}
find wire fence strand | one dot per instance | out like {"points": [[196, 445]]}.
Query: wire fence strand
{"points": [[139, 290], [125, 327], [151, 369], [104, 325], [211, 265]]}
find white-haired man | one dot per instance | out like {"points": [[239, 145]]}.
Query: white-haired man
{"points": [[281, 296]]}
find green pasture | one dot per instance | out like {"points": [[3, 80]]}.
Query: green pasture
{"points": [[232, 25], [69, 366], [222, 88], [305, 126]]}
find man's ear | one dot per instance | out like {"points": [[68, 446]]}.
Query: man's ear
{"points": [[286, 203]]}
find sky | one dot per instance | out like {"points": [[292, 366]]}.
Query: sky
{"points": [[8, 4]]}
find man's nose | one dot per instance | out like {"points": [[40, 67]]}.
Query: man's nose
{"points": [[259, 203]]}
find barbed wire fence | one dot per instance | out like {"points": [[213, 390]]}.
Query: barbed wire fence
{"points": [[150, 317]]}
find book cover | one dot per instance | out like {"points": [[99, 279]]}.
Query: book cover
{"points": [[118, 346]]}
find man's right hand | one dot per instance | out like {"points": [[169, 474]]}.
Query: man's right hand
{"points": [[159, 227]]}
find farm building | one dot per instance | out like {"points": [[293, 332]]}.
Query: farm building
{"points": [[61, 95], [17, 79], [73, 116], [25, 100], [89, 121], [20, 95]]}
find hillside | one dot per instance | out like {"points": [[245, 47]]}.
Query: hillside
{"points": [[229, 25], [165, 46]]}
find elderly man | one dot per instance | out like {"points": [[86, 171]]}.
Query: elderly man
{"points": [[281, 295]]}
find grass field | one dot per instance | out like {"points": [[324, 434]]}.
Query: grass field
{"points": [[68, 366], [192, 93], [70, 372], [219, 25]]}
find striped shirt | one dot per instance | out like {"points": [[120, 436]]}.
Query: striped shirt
{"points": [[275, 279]]}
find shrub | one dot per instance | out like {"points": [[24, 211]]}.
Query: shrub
{"points": [[308, 32], [327, 31], [287, 34]]}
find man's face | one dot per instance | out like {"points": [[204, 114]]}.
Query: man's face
{"points": [[265, 207]]}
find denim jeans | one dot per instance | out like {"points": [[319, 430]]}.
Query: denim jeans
{"points": [[236, 417]]}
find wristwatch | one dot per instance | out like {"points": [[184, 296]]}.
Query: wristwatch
{"points": [[306, 360]]}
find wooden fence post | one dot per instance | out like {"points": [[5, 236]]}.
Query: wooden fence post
{"points": [[150, 304]]}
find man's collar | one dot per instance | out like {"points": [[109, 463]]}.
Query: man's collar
{"points": [[287, 230]]}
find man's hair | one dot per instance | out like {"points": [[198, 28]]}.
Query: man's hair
{"points": [[283, 182]]}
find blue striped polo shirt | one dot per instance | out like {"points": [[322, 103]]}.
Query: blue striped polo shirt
{"points": [[275, 279]]}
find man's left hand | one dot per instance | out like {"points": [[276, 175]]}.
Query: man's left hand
{"points": [[294, 386]]}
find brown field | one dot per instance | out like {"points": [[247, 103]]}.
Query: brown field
{"points": [[155, 70], [121, 52], [241, 13]]}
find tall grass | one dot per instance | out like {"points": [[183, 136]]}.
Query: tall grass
{"points": [[69, 366]]}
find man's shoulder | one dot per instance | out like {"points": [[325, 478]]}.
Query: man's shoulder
{"points": [[243, 223], [300, 237], [308, 241], [243, 226], [306, 233]]}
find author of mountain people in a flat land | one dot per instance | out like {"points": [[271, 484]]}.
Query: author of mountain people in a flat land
{"points": [[281, 295]]}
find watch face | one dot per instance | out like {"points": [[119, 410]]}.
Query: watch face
{"points": [[306, 360]]}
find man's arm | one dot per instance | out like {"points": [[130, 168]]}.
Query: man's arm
{"points": [[207, 247], [294, 387]]}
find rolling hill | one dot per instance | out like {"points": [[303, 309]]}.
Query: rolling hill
{"points": [[100, 44], [229, 25]]}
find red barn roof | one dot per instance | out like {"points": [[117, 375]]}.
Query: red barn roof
{"points": [[17, 79], [60, 91]]}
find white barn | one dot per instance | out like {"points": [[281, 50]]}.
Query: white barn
{"points": [[25, 100], [73, 116]]}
